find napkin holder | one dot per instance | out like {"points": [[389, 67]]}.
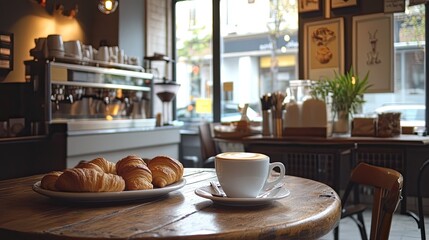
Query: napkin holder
{"points": [[364, 127], [307, 119]]}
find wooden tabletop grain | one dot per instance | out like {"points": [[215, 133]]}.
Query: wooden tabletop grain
{"points": [[310, 211]]}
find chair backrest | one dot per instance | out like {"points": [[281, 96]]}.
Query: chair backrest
{"points": [[387, 184], [208, 146]]}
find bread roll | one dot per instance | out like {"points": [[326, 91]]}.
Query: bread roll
{"points": [[89, 180], [165, 170], [48, 181], [135, 172]]}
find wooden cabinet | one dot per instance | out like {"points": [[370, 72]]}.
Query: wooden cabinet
{"points": [[25, 156]]}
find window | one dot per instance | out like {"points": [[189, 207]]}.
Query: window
{"points": [[259, 54], [193, 62]]}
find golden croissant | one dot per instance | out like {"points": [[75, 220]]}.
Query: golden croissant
{"points": [[165, 170], [48, 181], [84, 164], [134, 171], [89, 180], [107, 166]]}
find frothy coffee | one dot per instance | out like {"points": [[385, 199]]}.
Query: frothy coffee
{"points": [[242, 156], [245, 174]]}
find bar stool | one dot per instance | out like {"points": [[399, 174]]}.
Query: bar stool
{"points": [[421, 220]]}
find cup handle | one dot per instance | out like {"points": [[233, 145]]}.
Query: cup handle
{"points": [[270, 184]]}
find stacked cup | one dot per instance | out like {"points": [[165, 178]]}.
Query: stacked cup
{"points": [[73, 49], [55, 45]]}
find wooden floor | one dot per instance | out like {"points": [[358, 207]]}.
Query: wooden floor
{"points": [[403, 227]]}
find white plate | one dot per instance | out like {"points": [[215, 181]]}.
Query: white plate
{"points": [[109, 196], [206, 192]]}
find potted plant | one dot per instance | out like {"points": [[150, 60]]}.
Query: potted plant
{"points": [[344, 93]]}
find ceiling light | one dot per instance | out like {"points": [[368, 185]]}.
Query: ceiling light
{"points": [[108, 6]]}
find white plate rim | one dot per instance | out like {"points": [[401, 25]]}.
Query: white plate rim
{"points": [[109, 196], [206, 193]]}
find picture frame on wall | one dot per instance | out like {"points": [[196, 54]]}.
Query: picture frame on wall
{"points": [[373, 50], [392, 6], [343, 3], [323, 48], [416, 2], [308, 5]]}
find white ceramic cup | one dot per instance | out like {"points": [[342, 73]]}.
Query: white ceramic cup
{"points": [[121, 56], [103, 53], [245, 174], [73, 49], [55, 42]]}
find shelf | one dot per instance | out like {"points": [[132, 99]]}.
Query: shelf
{"points": [[103, 70], [6, 51], [96, 63], [103, 85], [158, 57]]}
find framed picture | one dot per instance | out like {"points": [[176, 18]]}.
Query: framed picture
{"points": [[373, 50], [308, 5], [416, 2], [343, 3], [392, 6], [323, 48]]}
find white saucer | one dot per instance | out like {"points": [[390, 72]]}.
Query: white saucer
{"points": [[207, 192]]}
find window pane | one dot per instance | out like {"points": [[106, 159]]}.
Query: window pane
{"points": [[260, 42], [194, 63], [259, 56]]}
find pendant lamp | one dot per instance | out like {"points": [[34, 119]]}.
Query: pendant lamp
{"points": [[108, 6]]}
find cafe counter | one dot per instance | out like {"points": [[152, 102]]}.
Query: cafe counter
{"points": [[114, 143]]}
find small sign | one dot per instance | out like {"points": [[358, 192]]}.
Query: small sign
{"points": [[5, 51], [203, 105], [5, 38], [4, 64]]}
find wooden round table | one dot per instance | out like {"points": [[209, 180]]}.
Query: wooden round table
{"points": [[310, 211]]}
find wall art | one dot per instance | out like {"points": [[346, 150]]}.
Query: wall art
{"points": [[323, 48], [373, 50], [308, 5], [343, 3]]}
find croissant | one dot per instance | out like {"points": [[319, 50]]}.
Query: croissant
{"points": [[107, 166], [89, 180], [165, 170], [48, 181], [84, 164], [135, 172]]}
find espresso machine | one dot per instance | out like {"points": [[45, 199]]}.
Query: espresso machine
{"points": [[93, 97]]}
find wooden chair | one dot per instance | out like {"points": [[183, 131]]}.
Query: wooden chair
{"points": [[387, 185], [421, 220], [208, 146]]}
